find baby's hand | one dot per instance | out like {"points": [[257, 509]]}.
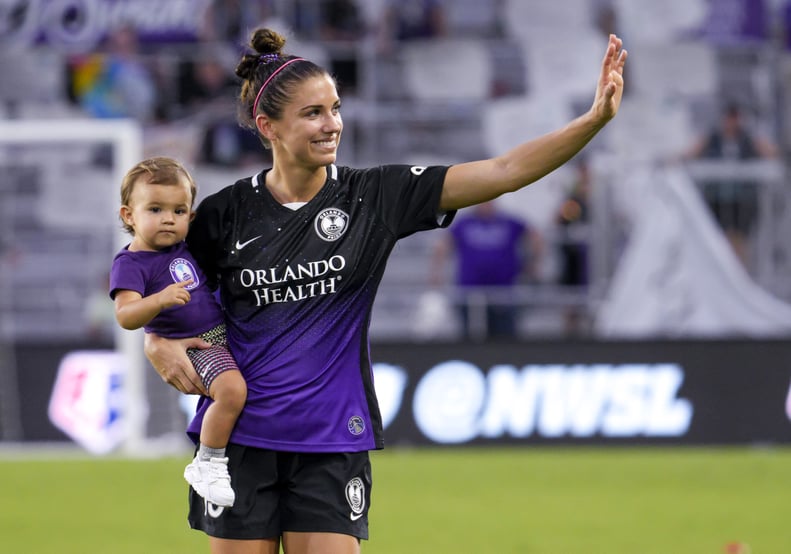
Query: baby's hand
{"points": [[175, 294]]}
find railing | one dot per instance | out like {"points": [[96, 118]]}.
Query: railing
{"points": [[410, 312], [414, 311], [767, 242]]}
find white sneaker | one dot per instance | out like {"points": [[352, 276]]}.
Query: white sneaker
{"points": [[210, 479]]}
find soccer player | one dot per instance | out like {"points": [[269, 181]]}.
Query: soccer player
{"points": [[298, 251], [156, 284]]}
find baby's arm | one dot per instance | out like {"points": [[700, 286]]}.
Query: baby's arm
{"points": [[132, 310]]}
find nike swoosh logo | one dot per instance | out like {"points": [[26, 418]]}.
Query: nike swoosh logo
{"points": [[240, 245], [355, 517]]}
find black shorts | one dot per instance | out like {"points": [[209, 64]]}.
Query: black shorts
{"points": [[277, 492]]}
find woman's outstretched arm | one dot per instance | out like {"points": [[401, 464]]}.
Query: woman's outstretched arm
{"points": [[475, 182]]}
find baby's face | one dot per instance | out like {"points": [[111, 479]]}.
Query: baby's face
{"points": [[159, 214]]}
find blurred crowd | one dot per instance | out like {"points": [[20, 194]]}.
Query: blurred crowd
{"points": [[180, 85], [176, 77]]}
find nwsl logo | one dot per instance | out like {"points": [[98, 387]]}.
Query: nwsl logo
{"points": [[183, 270]]}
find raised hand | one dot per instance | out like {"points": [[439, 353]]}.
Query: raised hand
{"points": [[609, 90]]}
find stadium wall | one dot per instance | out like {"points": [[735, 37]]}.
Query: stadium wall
{"points": [[544, 392]]}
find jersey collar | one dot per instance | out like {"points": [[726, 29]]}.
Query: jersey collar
{"points": [[332, 175]]}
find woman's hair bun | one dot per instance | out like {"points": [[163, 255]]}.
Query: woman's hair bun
{"points": [[267, 41], [262, 41]]}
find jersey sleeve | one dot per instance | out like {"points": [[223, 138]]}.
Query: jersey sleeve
{"points": [[204, 239], [410, 198], [126, 274]]}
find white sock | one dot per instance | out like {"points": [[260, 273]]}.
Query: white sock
{"points": [[205, 453]]}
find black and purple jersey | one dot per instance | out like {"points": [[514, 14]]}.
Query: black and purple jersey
{"points": [[298, 287], [149, 272]]}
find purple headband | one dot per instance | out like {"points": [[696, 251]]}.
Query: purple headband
{"points": [[272, 76], [268, 58]]}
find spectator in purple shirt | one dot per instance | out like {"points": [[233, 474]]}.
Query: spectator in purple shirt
{"points": [[493, 252]]}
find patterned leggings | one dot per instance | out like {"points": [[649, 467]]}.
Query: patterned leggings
{"points": [[212, 361]]}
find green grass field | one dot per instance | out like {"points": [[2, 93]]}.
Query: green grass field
{"points": [[525, 500]]}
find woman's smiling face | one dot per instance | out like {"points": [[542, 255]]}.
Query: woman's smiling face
{"points": [[310, 130]]}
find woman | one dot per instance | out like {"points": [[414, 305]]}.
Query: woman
{"points": [[298, 251]]}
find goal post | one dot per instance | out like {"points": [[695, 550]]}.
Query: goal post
{"points": [[125, 138]]}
